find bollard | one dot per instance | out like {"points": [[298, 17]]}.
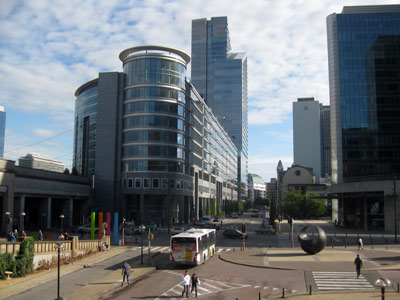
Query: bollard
{"points": [[310, 290], [283, 293], [259, 296]]}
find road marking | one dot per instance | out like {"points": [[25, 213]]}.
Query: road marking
{"points": [[341, 281], [266, 259], [212, 286]]}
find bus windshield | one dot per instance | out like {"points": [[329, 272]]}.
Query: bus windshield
{"points": [[183, 244]]}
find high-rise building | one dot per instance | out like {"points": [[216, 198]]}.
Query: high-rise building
{"points": [[256, 187], [364, 81], [311, 136], [154, 149], [364, 84], [2, 130], [220, 76]]}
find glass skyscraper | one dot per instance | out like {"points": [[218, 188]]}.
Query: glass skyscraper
{"points": [[364, 80], [220, 76], [154, 149]]}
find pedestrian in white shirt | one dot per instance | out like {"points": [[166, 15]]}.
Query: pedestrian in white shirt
{"points": [[186, 283]]}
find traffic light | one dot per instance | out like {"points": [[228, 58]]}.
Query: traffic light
{"points": [[244, 228]]}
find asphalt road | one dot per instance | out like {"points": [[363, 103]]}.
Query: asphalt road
{"points": [[77, 279], [219, 280]]}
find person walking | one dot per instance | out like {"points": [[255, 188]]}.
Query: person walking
{"points": [[186, 282], [360, 244], [358, 263], [195, 282], [40, 235], [126, 269]]}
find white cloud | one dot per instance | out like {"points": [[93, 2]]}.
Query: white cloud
{"points": [[49, 48]]}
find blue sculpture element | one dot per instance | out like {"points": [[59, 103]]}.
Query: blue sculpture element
{"points": [[312, 244]]}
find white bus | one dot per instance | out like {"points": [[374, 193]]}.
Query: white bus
{"points": [[193, 247]]}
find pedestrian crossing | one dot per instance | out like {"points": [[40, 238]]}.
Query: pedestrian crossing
{"points": [[167, 249], [209, 286], [340, 281]]}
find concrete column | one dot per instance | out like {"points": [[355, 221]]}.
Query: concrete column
{"points": [[22, 210], [71, 211], [365, 213], [48, 226], [142, 212]]}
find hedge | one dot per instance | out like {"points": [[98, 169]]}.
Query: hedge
{"points": [[22, 264]]}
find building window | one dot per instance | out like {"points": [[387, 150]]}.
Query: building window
{"points": [[130, 182], [138, 182], [297, 172], [172, 183], [179, 184], [164, 183], [156, 183], [146, 183]]}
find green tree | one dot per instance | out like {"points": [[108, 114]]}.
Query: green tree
{"points": [[208, 207], [303, 205], [260, 202]]}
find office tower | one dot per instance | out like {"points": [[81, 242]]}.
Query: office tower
{"points": [[326, 142], [257, 187], [220, 76], [311, 136], [364, 82], [2, 130], [154, 148], [364, 86]]}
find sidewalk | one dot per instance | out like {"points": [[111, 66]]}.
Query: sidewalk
{"points": [[100, 287]]}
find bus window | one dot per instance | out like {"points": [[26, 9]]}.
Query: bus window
{"points": [[183, 244]]}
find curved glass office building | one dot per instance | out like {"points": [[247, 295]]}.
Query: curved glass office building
{"points": [[85, 128], [160, 154]]}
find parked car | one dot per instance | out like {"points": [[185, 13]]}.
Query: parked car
{"points": [[234, 215], [178, 229], [217, 219], [87, 229], [233, 233], [268, 229], [211, 225]]}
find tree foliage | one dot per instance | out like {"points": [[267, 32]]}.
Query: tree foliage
{"points": [[303, 205]]}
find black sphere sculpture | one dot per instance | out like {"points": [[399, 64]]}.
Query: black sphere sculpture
{"points": [[312, 244]]}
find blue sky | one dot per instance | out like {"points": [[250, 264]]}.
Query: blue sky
{"points": [[49, 48]]}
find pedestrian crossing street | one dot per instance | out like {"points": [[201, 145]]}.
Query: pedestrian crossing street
{"points": [[340, 281], [209, 286]]}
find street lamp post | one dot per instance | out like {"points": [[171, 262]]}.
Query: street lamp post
{"points": [[61, 218], [59, 246], [9, 220], [382, 283], [23, 214], [123, 232], [142, 228]]}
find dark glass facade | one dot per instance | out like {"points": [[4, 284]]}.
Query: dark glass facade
{"points": [[364, 66], [159, 152], [220, 77], [85, 128]]}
